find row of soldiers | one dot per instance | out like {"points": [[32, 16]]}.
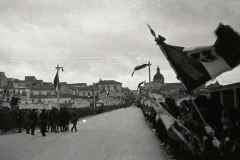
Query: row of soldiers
{"points": [[57, 120], [54, 120]]}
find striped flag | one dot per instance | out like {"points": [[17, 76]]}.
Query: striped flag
{"points": [[140, 67], [196, 66], [56, 83]]}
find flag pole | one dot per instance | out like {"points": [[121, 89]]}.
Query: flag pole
{"points": [[94, 105], [160, 40], [58, 68], [150, 91]]}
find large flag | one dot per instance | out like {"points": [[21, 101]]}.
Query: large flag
{"points": [[140, 67], [195, 66], [56, 83]]}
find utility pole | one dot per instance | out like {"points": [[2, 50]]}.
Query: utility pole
{"points": [[58, 68], [94, 100], [150, 88]]}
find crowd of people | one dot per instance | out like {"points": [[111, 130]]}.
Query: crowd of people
{"points": [[53, 120], [212, 130]]}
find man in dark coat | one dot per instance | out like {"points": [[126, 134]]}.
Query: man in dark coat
{"points": [[44, 119], [19, 120], [33, 120], [26, 121], [74, 119]]}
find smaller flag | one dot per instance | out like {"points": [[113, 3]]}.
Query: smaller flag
{"points": [[56, 83], [140, 67]]}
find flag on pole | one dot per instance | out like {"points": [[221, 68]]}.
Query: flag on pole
{"points": [[56, 83], [189, 70], [140, 67], [195, 66]]}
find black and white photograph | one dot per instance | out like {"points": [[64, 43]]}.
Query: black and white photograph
{"points": [[119, 80]]}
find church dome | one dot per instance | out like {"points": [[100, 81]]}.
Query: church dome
{"points": [[158, 77]]}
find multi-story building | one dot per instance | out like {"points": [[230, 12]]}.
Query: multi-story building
{"points": [[3, 79], [39, 94], [109, 85], [78, 85], [64, 88], [228, 95], [88, 91], [73, 88]]}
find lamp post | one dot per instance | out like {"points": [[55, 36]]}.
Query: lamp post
{"points": [[58, 68]]}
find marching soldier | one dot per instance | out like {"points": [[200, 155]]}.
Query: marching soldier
{"points": [[33, 120], [44, 119], [26, 121]]}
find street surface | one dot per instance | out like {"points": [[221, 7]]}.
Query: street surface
{"points": [[116, 135]]}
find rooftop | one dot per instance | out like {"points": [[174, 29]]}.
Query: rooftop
{"points": [[106, 82], [51, 96]]}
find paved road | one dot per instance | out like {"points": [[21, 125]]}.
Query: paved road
{"points": [[116, 135]]}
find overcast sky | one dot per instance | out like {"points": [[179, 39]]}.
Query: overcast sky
{"points": [[105, 39]]}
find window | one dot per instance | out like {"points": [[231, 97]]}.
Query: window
{"points": [[48, 93], [83, 94], [33, 100], [89, 93], [26, 102], [39, 100], [115, 87]]}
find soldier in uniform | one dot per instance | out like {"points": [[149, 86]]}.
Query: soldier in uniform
{"points": [[74, 119], [33, 120], [67, 119], [19, 120], [26, 121], [44, 119], [51, 120]]}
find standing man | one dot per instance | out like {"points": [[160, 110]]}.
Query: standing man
{"points": [[33, 120], [44, 119], [27, 121], [74, 119], [19, 120]]}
